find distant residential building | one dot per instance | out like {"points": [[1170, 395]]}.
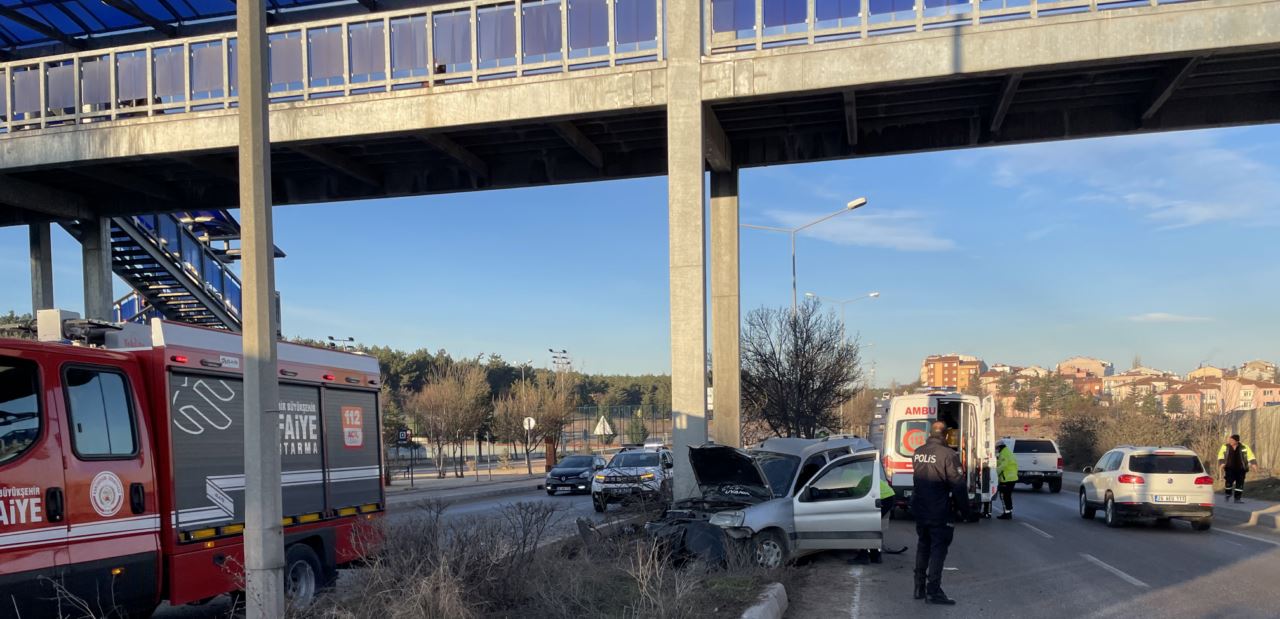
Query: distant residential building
{"points": [[1146, 371], [951, 370], [1089, 365], [1086, 385], [1259, 370], [1205, 371], [1004, 368], [1034, 371], [1140, 386], [1192, 399]]}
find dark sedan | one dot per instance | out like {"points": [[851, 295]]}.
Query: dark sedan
{"points": [[573, 474]]}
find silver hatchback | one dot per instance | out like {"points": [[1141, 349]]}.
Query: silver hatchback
{"points": [[785, 498]]}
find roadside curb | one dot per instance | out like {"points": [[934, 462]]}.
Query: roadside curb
{"points": [[1265, 518], [415, 500], [772, 603]]}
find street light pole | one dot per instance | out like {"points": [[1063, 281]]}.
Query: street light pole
{"points": [[792, 232]]}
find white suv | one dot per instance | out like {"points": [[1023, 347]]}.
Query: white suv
{"points": [[1039, 462], [1160, 483], [634, 473]]}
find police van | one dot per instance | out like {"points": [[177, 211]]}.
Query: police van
{"points": [[971, 431]]}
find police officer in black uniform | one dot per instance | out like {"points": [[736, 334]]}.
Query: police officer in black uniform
{"points": [[938, 480]]}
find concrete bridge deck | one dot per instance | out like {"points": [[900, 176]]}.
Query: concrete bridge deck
{"points": [[982, 79]]}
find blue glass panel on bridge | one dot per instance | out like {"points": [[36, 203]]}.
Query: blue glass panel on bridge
{"points": [[147, 223], [4, 99], [231, 294], [540, 30], [635, 24], [191, 254], [451, 44], [233, 72], [588, 28], [936, 8], [170, 74], [496, 36], [285, 66], [206, 70], [26, 93], [998, 5], [169, 236], [212, 271], [836, 13], [409, 46], [784, 16], [891, 10], [366, 48], [738, 16], [324, 56], [60, 98], [131, 78], [95, 83]]}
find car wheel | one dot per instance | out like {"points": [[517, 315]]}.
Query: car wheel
{"points": [[1037, 485], [1086, 511], [598, 503], [1109, 514], [302, 576], [1202, 524], [1164, 523], [770, 550], [1055, 486]]}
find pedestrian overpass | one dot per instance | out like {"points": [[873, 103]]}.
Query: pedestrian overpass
{"points": [[129, 108]]}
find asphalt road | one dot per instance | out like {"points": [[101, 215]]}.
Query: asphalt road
{"points": [[564, 522], [1048, 562]]}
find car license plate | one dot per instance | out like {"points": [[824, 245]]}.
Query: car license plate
{"points": [[1168, 498], [619, 490], [1032, 474]]}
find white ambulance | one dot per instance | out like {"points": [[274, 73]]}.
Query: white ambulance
{"points": [[971, 431]]}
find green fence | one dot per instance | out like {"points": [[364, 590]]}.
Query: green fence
{"points": [[622, 424]]}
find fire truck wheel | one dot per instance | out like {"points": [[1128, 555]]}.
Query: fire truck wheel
{"points": [[301, 575]]}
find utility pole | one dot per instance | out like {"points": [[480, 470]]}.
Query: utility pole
{"points": [[263, 533]]}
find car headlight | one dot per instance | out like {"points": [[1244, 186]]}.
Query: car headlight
{"points": [[584, 474], [600, 478], [728, 519], [647, 477]]}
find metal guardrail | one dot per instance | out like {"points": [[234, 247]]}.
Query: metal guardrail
{"points": [[427, 47], [746, 25]]}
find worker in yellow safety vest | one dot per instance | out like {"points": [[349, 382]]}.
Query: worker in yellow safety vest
{"points": [[1007, 467], [1236, 459]]}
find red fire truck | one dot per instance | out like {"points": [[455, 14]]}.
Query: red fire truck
{"points": [[122, 465]]}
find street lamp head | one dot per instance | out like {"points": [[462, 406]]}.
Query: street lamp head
{"points": [[855, 203], [874, 295], [811, 295]]}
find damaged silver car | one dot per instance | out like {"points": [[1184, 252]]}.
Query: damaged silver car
{"points": [[784, 498]]}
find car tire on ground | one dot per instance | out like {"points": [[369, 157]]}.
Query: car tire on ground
{"points": [[303, 576], [1037, 485], [770, 549], [1202, 524], [1109, 514], [1055, 486], [1086, 511], [598, 503], [1164, 522]]}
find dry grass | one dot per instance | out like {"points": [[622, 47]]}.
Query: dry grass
{"points": [[502, 568]]}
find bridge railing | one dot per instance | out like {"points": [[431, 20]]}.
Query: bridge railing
{"points": [[743, 25], [426, 47]]}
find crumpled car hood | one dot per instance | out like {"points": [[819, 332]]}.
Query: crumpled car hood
{"points": [[726, 473]]}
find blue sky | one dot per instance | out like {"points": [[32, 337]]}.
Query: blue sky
{"points": [[1159, 245]]}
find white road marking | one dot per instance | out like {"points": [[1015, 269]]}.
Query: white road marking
{"points": [[1042, 533], [1120, 574], [951, 569], [1233, 544], [856, 572], [1256, 539]]}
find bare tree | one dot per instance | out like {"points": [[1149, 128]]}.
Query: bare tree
{"points": [[450, 409], [549, 402], [797, 368]]}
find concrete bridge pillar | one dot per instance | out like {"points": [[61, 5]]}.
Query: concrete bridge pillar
{"points": [[726, 319], [41, 268], [687, 224], [95, 251]]}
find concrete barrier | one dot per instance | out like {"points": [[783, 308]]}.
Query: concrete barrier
{"points": [[772, 603]]}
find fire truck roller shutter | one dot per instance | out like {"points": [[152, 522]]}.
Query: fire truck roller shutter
{"points": [[352, 445]]}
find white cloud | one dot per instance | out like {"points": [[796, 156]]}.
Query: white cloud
{"points": [[900, 230], [1174, 180], [1167, 317]]}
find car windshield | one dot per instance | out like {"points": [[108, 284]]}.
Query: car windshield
{"points": [[1160, 463], [912, 434], [779, 469], [575, 462], [634, 459], [1033, 447]]}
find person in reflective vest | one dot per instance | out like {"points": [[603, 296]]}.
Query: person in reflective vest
{"points": [[1236, 459], [1007, 466]]}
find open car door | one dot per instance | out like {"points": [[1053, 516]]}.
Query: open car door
{"points": [[839, 508]]}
